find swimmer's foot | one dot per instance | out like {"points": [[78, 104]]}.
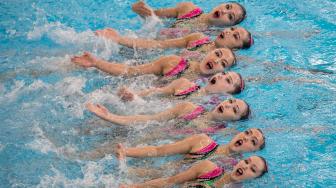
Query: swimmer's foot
{"points": [[125, 94], [86, 60], [121, 152], [109, 33]]}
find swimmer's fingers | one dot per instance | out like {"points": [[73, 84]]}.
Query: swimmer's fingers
{"points": [[121, 152], [99, 110], [108, 33], [142, 9], [102, 108], [86, 60]]}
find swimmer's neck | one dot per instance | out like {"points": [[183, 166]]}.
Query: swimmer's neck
{"points": [[204, 19], [224, 150], [195, 67], [226, 179]]}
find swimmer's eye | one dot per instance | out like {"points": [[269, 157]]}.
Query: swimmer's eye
{"points": [[246, 132], [246, 161], [254, 142], [236, 36], [221, 109], [223, 64], [227, 80], [230, 17], [221, 35], [235, 110], [218, 53], [227, 6], [232, 28]]}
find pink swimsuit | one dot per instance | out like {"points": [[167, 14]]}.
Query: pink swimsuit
{"points": [[199, 42], [194, 114], [176, 32], [218, 171], [196, 12], [178, 69], [188, 91]]}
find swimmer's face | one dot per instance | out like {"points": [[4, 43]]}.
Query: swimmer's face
{"points": [[226, 14], [249, 168], [223, 83], [217, 60], [230, 110], [247, 141], [233, 38]]}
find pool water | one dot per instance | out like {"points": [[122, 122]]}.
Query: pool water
{"points": [[43, 96]]}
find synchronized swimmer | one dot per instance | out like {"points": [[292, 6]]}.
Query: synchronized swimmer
{"points": [[198, 75]]}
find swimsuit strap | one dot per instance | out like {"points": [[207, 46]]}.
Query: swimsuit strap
{"points": [[194, 114], [198, 43], [212, 176], [188, 91], [213, 145], [203, 153], [218, 171], [196, 12], [178, 69]]}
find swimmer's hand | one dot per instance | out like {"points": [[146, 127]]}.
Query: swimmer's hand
{"points": [[125, 94], [142, 9], [121, 152], [99, 110], [86, 60], [109, 33]]}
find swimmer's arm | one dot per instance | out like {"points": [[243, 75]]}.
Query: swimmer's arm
{"points": [[144, 10], [170, 89], [151, 43], [148, 43], [183, 146], [169, 114], [174, 12], [183, 177]]}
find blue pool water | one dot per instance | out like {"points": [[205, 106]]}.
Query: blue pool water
{"points": [[42, 95]]}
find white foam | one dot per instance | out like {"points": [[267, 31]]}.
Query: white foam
{"points": [[41, 143], [71, 95], [53, 64], [2, 147], [15, 90], [64, 35], [93, 177], [71, 85]]}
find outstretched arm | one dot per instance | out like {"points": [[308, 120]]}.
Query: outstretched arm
{"points": [[148, 43], [183, 177], [174, 87], [144, 10], [168, 114], [116, 69], [180, 147]]}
